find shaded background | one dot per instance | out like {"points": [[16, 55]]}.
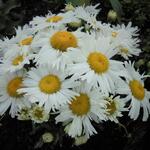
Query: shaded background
{"points": [[16, 134]]}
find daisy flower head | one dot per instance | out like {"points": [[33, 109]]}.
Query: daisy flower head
{"points": [[128, 30], [125, 39], [24, 39], [49, 87], [94, 63], [24, 114], [9, 96], [83, 11], [55, 21], [122, 32], [114, 108], [23, 36], [137, 95], [81, 110], [38, 114], [128, 49], [55, 45], [14, 61], [87, 14]]}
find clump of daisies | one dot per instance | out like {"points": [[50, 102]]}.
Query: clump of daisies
{"points": [[72, 68]]}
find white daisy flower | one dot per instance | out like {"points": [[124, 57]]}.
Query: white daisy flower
{"points": [[121, 32], [133, 87], [81, 111], [127, 30], [55, 46], [9, 96], [92, 22], [23, 38], [115, 107], [94, 64], [88, 14], [15, 61], [38, 114], [124, 37], [23, 114], [58, 21], [48, 87], [128, 49], [92, 9], [83, 12]]}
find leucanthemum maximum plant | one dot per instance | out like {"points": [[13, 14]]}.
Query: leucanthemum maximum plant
{"points": [[72, 70]]}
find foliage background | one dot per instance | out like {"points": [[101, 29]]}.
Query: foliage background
{"points": [[19, 134]]}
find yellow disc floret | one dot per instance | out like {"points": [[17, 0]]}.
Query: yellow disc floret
{"points": [[13, 86], [124, 50], [80, 105], [16, 61], [26, 41], [62, 40], [50, 84], [38, 112], [114, 34], [137, 89], [111, 107], [54, 19], [98, 62]]}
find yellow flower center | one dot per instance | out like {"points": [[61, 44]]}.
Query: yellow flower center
{"points": [[17, 60], [50, 84], [54, 19], [114, 34], [137, 89], [111, 107], [80, 105], [38, 112], [98, 62], [62, 40], [26, 41], [13, 86], [124, 50]]}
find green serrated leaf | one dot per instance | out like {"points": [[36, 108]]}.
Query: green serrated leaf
{"points": [[78, 2]]}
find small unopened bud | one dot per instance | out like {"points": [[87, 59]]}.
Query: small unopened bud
{"points": [[112, 15], [69, 7], [47, 137], [139, 63], [80, 140], [75, 24]]}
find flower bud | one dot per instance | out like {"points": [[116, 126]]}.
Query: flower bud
{"points": [[69, 7], [112, 15], [139, 63], [75, 24], [47, 137], [80, 140]]}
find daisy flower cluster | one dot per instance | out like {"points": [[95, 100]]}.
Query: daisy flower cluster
{"points": [[75, 68]]}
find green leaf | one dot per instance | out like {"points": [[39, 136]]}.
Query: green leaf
{"points": [[78, 2]]}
